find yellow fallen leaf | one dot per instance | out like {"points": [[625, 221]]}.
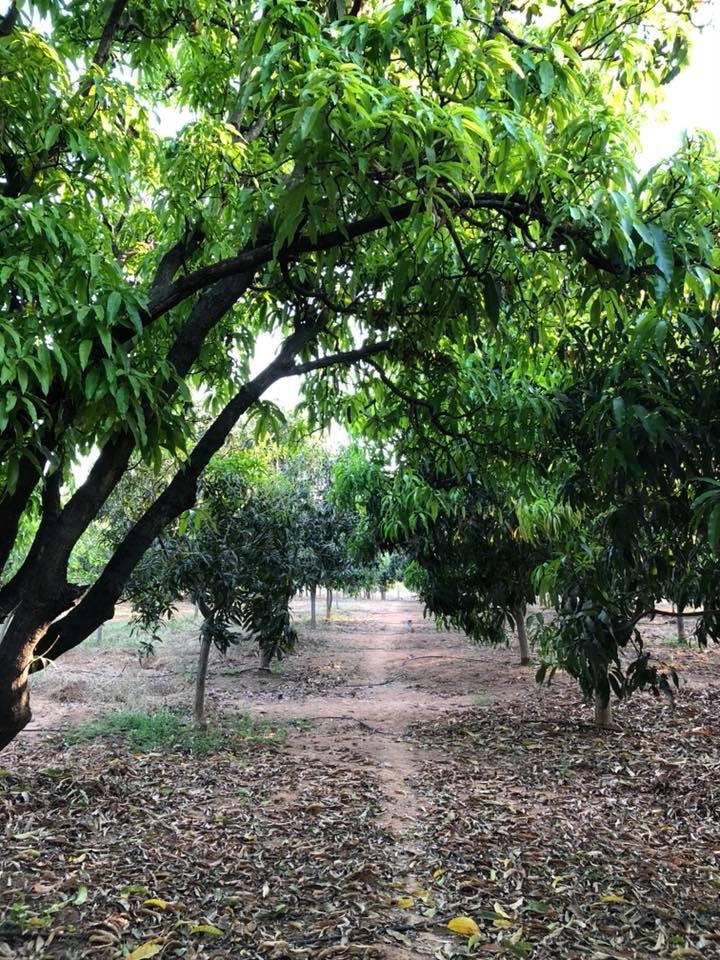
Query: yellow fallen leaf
{"points": [[502, 923], [156, 902], [207, 928], [438, 873], [465, 926], [500, 912], [404, 902], [145, 950], [613, 898]]}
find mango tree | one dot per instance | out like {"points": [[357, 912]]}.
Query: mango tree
{"points": [[236, 557], [381, 183]]}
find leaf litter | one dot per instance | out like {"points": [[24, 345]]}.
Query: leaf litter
{"points": [[520, 831]]}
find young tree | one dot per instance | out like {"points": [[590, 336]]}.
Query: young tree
{"points": [[324, 529], [237, 558], [349, 180]]}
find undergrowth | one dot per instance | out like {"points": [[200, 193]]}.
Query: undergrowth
{"points": [[166, 731]]}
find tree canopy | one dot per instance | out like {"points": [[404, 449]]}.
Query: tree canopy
{"points": [[387, 188]]}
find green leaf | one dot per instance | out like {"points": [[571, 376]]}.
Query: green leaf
{"points": [[51, 135], [84, 352], [618, 408], [714, 528], [113, 305], [663, 251], [106, 340], [491, 298], [546, 77], [208, 929]]}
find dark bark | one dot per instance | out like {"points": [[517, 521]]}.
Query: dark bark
{"points": [[37, 628], [266, 656], [111, 24], [12, 507], [99, 602], [252, 258], [328, 602], [201, 676], [8, 21]]}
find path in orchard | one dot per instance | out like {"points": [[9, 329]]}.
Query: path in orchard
{"points": [[401, 779]]}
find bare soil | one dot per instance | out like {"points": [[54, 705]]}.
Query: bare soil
{"points": [[419, 779]]}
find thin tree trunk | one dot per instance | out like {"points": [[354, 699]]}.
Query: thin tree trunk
{"points": [[603, 710], [382, 593], [201, 676], [681, 625], [313, 601], [266, 655], [519, 616], [328, 605], [99, 634], [337, 599]]}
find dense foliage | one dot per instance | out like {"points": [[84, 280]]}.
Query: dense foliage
{"points": [[386, 188]]}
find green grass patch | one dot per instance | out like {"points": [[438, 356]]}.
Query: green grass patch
{"points": [[119, 633], [164, 731]]}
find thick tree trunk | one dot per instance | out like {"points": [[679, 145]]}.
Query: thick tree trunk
{"points": [[328, 604], [603, 711], [266, 655], [313, 603], [519, 616], [201, 676], [16, 658]]}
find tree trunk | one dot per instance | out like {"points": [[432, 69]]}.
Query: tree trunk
{"points": [[266, 655], [519, 616], [328, 606], [681, 625], [337, 599], [382, 593], [313, 600], [201, 676], [99, 634], [603, 710]]}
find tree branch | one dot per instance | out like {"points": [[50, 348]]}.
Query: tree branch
{"points": [[98, 604], [7, 23], [253, 258], [250, 259], [518, 41], [343, 359], [108, 34]]}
